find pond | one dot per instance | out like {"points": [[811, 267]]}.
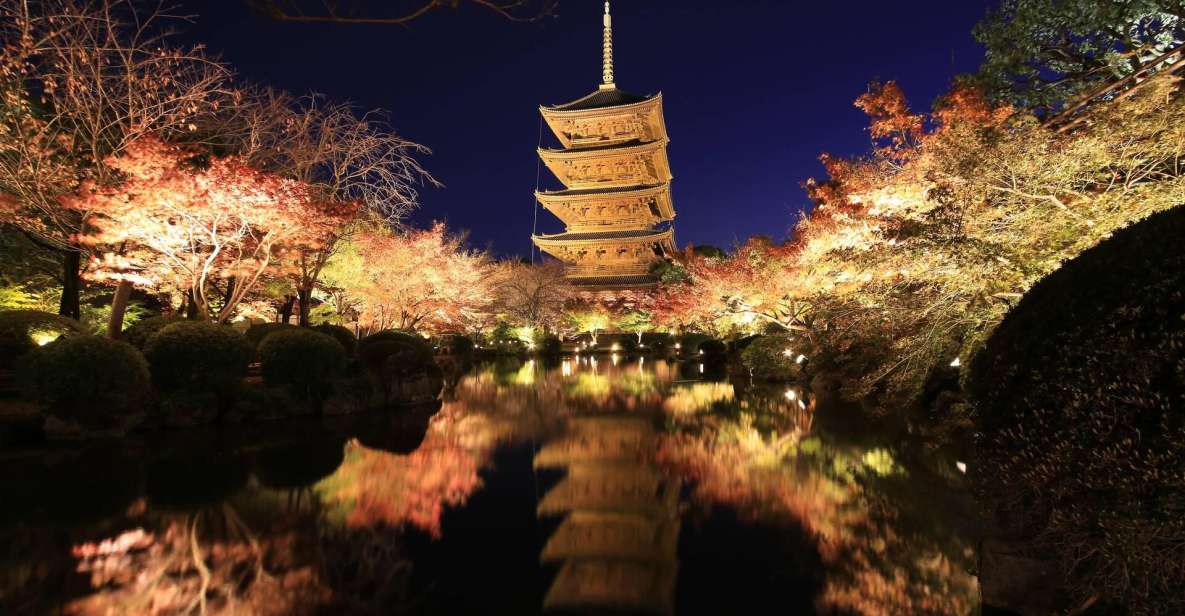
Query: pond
{"points": [[587, 485]]}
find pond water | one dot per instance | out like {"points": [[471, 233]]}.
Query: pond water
{"points": [[586, 486]]}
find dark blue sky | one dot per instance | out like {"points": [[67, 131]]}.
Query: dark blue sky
{"points": [[754, 90]]}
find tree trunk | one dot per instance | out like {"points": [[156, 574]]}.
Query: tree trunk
{"points": [[119, 306], [191, 308], [285, 310], [70, 306], [305, 299]]}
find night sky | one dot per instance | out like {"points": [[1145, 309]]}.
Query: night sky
{"points": [[753, 90]]}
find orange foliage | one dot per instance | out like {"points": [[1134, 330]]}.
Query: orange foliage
{"points": [[173, 224]]}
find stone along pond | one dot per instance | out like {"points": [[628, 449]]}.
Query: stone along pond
{"points": [[590, 484]]}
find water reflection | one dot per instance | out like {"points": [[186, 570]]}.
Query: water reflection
{"points": [[581, 484]]}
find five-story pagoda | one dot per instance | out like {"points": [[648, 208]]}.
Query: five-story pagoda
{"points": [[617, 202]]}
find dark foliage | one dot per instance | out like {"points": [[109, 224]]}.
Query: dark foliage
{"points": [[550, 346], [378, 346], [197, 356], [94, 381], [343, 335], [138, 334], [304, 360], [17, 328], [1080, 399], [256, 333]]}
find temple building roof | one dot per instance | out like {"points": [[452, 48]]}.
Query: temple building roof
{"points": [[600, 99], [586, 192], [643, 234], [614, 282]]}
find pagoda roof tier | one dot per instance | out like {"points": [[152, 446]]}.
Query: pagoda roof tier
{"points": [[602, 98], [603, 208], [632, 236], [614, 166], [606, 117]]}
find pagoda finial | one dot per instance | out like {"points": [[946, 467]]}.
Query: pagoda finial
{"points": [[607, 52]]}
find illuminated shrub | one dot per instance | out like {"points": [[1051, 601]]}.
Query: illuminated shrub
{"points": [[342, 335], [138, 334], [1080, 398], [197, 356], [772, 358], [256, 333], [304, 360], [24, 330], [93, 381]]}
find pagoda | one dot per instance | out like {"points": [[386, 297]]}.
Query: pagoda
{"points": [[616, 204]]}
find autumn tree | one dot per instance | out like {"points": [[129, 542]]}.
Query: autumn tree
{"points": [[588, 316], [347, 156], [212, 228], [411, 279], [531, 294], [1041, 55], [80, 82]]}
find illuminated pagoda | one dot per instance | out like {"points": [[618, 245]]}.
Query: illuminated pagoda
{"points": [[616, 204]]}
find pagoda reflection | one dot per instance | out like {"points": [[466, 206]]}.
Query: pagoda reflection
{"points": [[617, 544]]}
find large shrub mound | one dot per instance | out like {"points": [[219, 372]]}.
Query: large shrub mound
{"points": [[343, 335], [376, 347], [303, 359], [197, 357], [1080, 399], [138, 334], [256, 333], [22, 331], [93, 381]]}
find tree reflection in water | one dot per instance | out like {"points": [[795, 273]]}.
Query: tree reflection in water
{"points": [[295, 520]]}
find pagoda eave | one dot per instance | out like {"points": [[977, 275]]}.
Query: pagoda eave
{"points": [[609, 237]]}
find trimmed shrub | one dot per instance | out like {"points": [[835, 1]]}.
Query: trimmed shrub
{"points": [[342, 335], [379, 345], [138, 334], [197, 356], [302, 359], [256, 333], [766, 358], [22, 331], [550, 346], [94, 381], [1079, 396]]}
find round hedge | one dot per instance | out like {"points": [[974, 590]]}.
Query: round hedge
{"points": [[1080, 400], [138, 334], [343, 335], [410, 343], [302, 359], [256, 333], [94, 381], [197, 356], [22, 331]]}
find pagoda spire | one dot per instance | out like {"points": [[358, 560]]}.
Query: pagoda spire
{"points": [[607, 52]]}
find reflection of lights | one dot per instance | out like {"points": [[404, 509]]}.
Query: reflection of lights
{"points": [[802, 405], [956, 363], [678, 346], [613, 358], [701, 351], [962, 466], [566, 368], [800, 359], [641, 346], [701, 368], [791, 394]]}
